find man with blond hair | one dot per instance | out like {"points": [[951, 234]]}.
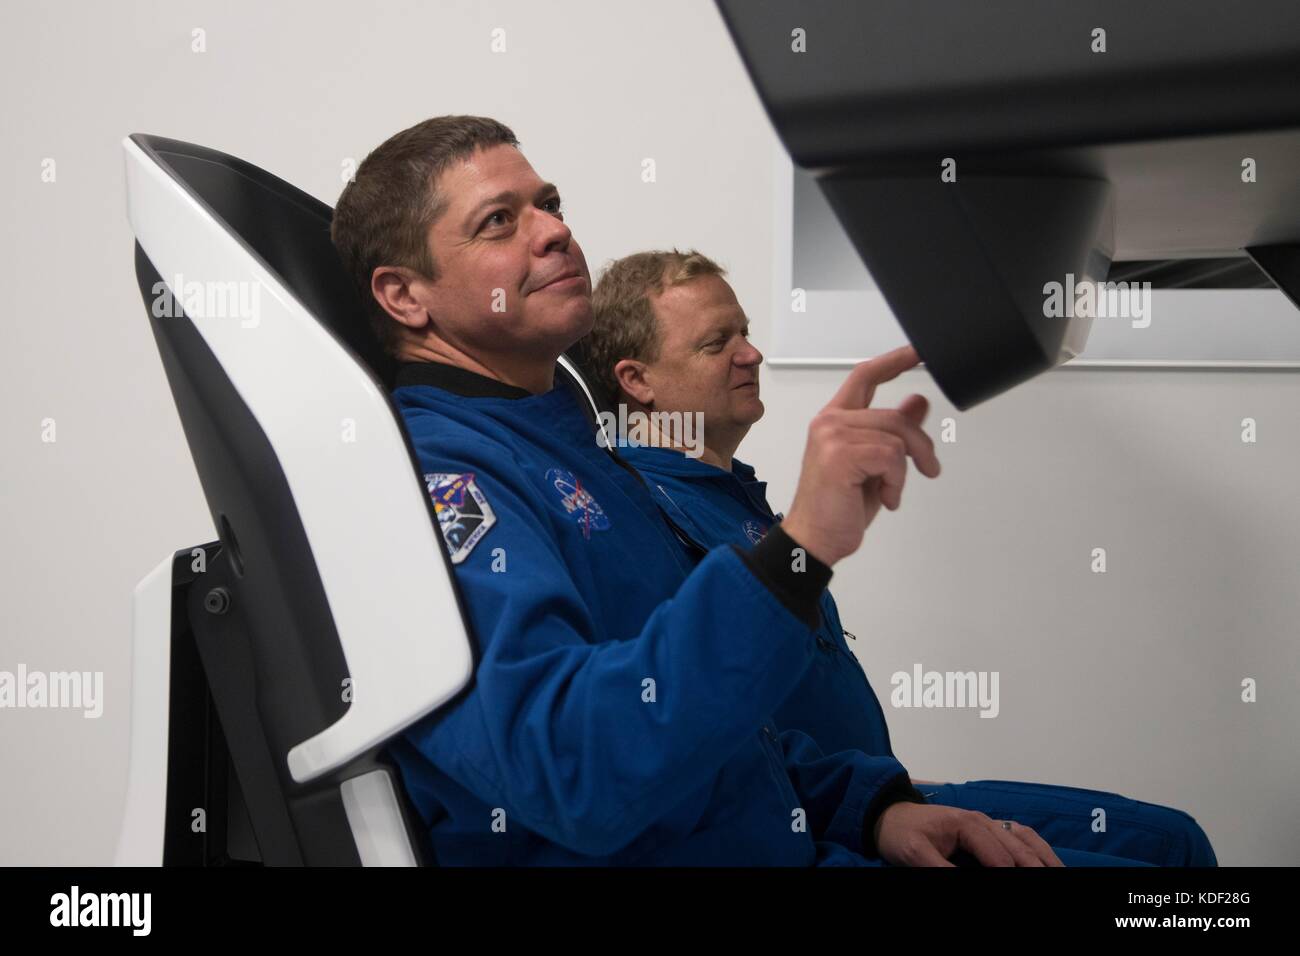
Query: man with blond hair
{"points": [[670, 342]]}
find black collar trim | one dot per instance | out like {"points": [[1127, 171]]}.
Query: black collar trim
{"points": [[458, 381]]}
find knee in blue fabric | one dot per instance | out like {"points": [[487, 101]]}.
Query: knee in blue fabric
{"points": [[1067, 856], [1085, 858], [1093, 821], [1189, 844]]}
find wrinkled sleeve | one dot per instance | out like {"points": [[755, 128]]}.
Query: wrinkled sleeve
{"points": [[844, 793]]}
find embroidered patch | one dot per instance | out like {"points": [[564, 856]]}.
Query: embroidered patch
{"points": [[578, 502], [754, 531], [464, 514]]}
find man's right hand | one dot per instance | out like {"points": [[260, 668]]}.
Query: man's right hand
{"points": [[856, 460], [916, 834]]}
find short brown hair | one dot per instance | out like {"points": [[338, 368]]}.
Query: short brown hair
{"points": [[624, 325], [384, 214]]}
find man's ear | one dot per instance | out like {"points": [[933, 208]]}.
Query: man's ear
{"points": [[392, 287], [630, 375]]}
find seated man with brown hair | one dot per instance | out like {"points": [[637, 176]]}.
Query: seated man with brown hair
{"points": [[620, 708]]}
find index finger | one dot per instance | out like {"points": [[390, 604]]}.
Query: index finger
{"points": [[860, 385], [1039, 845]]}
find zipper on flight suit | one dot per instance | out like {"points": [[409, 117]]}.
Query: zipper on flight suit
{"points": [[776, 756]]}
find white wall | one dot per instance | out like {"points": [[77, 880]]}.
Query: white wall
{"points": [[1126, 681]]}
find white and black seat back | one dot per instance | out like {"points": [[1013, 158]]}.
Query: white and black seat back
{"points": [[327, 620]]}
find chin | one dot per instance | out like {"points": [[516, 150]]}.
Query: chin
{"points": [[566, 322], [583, 317], [752, 411]]}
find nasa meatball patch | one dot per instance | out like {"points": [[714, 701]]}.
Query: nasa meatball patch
{"points": [[464, 514], [577, 502]]}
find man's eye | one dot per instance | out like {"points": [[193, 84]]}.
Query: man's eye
{"points": [[553, 205], [497, 218]]}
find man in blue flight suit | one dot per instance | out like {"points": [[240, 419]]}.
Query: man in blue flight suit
{"points": [[620, 711], [670, 338]]}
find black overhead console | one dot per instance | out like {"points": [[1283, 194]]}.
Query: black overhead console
{"points": [[975, 152]]}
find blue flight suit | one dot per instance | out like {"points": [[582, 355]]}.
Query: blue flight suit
{"points": [[620, 710], [835, 705]]}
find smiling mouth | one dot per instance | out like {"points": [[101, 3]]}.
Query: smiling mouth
{"points": [[561, 281]]}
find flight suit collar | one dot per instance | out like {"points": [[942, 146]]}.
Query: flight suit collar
{"points": [[457, 380]]}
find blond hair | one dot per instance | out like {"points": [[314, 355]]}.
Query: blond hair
{"points": [[624, 325]]}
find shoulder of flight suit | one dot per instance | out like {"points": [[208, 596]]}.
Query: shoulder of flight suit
{"points": [[554, 728]]}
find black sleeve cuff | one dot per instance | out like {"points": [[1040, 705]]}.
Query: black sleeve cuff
{"points": [[898, 790], [773, 562]]}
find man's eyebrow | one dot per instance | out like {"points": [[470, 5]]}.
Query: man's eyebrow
{"points": [[722, 326], [509, 197]]}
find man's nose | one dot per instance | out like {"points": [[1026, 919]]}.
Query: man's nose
{"points": [[749, 355], [549, 233]]}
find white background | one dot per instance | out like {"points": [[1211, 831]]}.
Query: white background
{"points": [[1128, 681]]}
